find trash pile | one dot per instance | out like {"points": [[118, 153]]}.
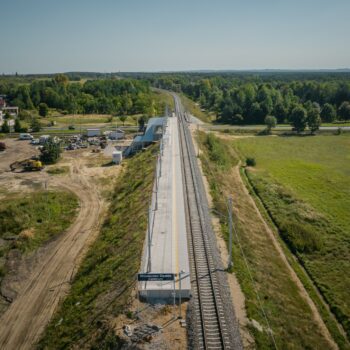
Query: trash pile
{"points": [[142, 333]]}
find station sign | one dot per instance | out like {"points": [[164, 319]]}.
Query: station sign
{"points": [[141, 277]]}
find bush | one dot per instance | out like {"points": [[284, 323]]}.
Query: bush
{"points": [[250, 161], [339, 131], [5, 127], [218, 151], [35, 125], [301, 238], [43, 109]]}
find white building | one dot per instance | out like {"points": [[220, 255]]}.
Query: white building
{"points": [[117, 134], [93, 132]]}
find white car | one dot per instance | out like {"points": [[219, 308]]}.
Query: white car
{"points": [[35, 142], [25, 136]]}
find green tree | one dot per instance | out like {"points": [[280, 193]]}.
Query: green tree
{"points": [[142, 121], [344, 110], [270, 122], [18, 126], [7, 116], [328, 113], [35, 125], [298, 118], [237, 119], [50, 153], [43, 109], [5, 128], [281, 112], [123, 119], [61, 79], [313, 120]]}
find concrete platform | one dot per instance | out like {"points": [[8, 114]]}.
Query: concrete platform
{"points": [[169, 252]]}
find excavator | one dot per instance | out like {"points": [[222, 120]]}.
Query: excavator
{"points": [[31, 164]]}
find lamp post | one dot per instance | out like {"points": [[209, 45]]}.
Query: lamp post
{"points": [[230, 232]]}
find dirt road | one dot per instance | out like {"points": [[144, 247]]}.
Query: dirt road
{"points": [[25, 319], [14, 149]]}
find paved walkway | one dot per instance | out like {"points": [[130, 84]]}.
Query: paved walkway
{"points": [[169, 253]]}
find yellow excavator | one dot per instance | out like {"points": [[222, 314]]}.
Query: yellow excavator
{"points": [[32, 164]]}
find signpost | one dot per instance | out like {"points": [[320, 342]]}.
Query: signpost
{"points": [[144, 277]]}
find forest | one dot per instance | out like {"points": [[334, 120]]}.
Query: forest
{"points": [[103, 96], [248, 98]]}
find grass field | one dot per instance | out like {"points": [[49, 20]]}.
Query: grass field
{"points": [[304, 183], [34, 218], [86, 119], [195, 109], [289, 315], [102, 286]]}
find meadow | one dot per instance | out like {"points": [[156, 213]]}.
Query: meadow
{"points": [[273, 300], [34, 218], [304, 184]]}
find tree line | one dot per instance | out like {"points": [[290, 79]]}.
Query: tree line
{"points": [[103, 96], [250, 98]]}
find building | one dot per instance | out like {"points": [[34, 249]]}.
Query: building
{"points": [[117, 134], [12, 111], [153, 132], [93, 132], [4, 109]]}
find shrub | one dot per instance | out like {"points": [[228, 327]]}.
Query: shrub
{"points": [[218, 151], [301, 238], [5, 127], [250, 161]]}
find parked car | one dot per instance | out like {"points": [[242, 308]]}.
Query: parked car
{"points": [[71, 127], [35, 142], [25, 136]]}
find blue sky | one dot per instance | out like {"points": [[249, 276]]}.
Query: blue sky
{"points": [[43, 36]]}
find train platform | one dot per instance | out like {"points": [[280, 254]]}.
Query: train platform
{"points": [[168, 250]]}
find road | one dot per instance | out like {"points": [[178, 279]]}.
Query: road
{"points": [[25, 319], [260, 127]]}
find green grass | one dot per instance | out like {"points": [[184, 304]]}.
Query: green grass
{"points": [[102, 286], [28, 220], [195, 109], [86, 119], [289, 315], [58, 170], [164, 98], [304, 184]]}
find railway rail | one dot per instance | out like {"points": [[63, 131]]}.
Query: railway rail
{"points": [[213, 322]]}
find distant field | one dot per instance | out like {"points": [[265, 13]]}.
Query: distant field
{"points": [[289, 315], [304, 182], [83, 119]]}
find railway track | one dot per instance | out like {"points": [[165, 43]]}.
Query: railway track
{"points": [[213, 322]]}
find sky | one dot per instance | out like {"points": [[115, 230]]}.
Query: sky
{"points": [[49, 36]]}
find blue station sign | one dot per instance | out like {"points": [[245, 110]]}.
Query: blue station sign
{"points": [[141, 277]]}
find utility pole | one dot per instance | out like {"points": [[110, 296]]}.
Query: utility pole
{"points": [[160, 165], [156, 178], [149, 239], [229, 208], [198, 140]]}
